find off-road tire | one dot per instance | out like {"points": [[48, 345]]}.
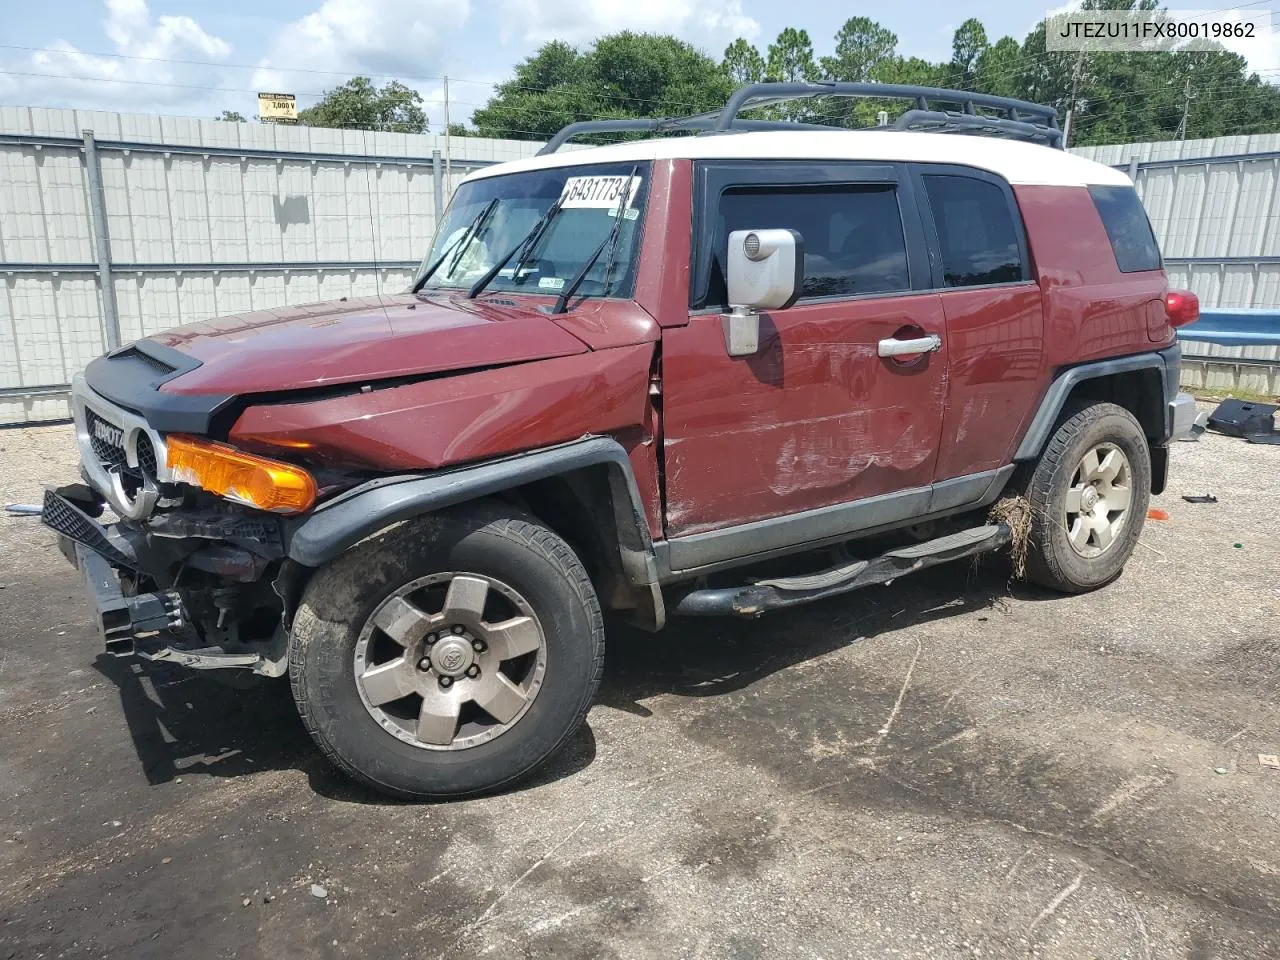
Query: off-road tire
{"points": [[1051, 560], [485, 538]]}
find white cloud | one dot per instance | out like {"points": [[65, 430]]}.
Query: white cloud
{"points": [[62, 74], [381, 38], [535, 22], [1263, 49]]}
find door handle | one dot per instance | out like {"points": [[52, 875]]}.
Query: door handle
{"points": [[906, 348]]}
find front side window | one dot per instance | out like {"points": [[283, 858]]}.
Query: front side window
{"points": [[489, 218], [1127, 227], [975, 230], [853, 240]]}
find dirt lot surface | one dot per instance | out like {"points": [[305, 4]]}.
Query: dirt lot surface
{"points": [[947, 767]]}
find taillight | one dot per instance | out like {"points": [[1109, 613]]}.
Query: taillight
{"points": [[243, 477], [1181, 307]]}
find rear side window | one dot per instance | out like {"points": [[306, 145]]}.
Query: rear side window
{"points": [[853, 241], [976, 231], [1128, 228]]}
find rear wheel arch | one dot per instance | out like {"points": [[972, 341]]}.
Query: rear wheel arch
{"points": [[1137, 383]]}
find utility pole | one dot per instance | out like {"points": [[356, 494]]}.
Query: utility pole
{"points": [[1187, 97], [448, 165], [1076, 73]]}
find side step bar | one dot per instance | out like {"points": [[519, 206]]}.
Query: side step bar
{"points": [[756, 598]]}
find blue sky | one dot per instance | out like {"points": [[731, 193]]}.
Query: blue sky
{"points": [[193, 58]]}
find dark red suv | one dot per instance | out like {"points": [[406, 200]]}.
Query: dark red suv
{"points": [[699, 375]]}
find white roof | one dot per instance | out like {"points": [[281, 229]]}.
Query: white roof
{"points": [[1015, 161]]}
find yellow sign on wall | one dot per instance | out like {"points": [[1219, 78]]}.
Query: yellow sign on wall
{"points": [[277, 108]]}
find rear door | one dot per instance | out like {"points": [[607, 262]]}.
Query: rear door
{"points": [[816, 417], [994, 315]]}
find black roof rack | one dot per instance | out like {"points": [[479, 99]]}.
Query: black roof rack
{"points": [[1015, 119]]}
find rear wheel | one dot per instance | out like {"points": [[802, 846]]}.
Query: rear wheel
{"points": [[1089, 494], [450, 656]]}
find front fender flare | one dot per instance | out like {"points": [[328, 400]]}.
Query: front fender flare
{"points": [[364, 510]]}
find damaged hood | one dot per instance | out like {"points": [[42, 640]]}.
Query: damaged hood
{"points": [[352, 341]]}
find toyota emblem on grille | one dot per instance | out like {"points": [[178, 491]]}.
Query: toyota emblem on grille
{"points": [[107, 433]]}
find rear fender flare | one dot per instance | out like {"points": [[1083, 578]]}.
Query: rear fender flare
{"points": [[1164, 362], [365, 510]]}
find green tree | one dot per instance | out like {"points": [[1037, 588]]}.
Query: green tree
{"points": [[862, 47], [231, 116], [743, 63], [999, 68], [358, 104], [460, 130], [790, 58], [1118, 96], [968, 44], [623, 75]]}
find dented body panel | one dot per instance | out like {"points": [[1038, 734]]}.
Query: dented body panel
{"points": [[995, 348], [378, 338], [814, 418], [443, 421]]}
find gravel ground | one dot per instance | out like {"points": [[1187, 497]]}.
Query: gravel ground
{"points": [[948, 767]]}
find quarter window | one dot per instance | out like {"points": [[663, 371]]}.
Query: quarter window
{"points": [[976, 231], [853, 241], [1128, 228]]}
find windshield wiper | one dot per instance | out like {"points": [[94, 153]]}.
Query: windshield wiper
{"points": [[458, 245], [610, 241], [528, 243]]}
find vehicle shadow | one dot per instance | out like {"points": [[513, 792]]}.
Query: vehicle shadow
{"points": [[697, 657], [188, 723]]}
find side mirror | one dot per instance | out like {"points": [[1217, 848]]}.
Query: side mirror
{"points": [[764, 270]]}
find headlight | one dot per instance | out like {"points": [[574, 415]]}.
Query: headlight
{"points": [[242, 477]]}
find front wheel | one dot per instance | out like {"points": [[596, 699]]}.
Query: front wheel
{"points": [[449, 656], [1089, 494]]}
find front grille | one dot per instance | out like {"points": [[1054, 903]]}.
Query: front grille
{"points": [[108, 454], [146, 456]]}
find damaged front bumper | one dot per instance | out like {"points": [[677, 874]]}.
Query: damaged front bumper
{"points": [[155, 623]]}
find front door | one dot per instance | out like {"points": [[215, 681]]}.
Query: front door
{"points": [[818, 417]]}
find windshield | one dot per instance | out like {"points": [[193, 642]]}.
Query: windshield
{"points": [[477, 233]]}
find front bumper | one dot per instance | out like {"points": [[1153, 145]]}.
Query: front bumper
{"points": [[96, 551]]}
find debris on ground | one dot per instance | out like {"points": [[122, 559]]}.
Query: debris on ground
{"points": [[1156, 513], [1201, 498], [1015, 512], [1244, 418], [1221, 771], [318, 891], [1269, 760], [24, 509]]}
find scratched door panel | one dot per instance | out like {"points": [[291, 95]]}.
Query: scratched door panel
{"points": [[815, 418], [994, 340]]}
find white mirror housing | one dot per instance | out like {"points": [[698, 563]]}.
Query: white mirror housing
{"points": [[764, 269]]}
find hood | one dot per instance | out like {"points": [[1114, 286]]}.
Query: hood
{"points": [[350, 341]]}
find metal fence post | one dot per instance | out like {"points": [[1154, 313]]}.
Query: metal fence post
{"points": [[101, 242], [437, 178], [1133, 169]]}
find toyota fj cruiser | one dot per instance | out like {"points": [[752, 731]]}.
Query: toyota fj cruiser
{"points": [[687, 375]]}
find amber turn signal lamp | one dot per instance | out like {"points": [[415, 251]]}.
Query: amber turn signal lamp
{"points": [[239, 476], [1181, 307]]}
